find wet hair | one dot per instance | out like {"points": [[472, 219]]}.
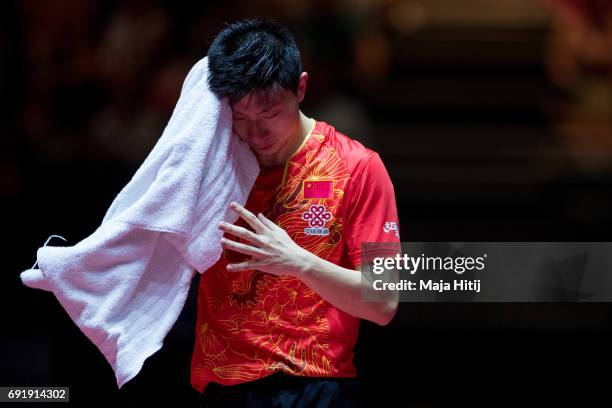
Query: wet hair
{"points": [[253, 55]]}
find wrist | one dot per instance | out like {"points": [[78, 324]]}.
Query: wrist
{"points": [[308, 263]]}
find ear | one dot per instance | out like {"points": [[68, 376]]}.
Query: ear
{"points": [[301, 89]]}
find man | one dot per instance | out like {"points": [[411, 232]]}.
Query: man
{"points": [[278, 314]]}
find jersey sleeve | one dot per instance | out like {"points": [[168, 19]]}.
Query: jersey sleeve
{"points": [[371, 214]]}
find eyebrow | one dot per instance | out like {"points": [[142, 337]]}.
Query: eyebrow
{"points": [[266, 109], [271, 107]]}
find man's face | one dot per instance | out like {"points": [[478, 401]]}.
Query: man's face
{"points": [[268, 125]]}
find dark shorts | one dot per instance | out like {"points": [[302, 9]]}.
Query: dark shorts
{"points": [[282, 390]]}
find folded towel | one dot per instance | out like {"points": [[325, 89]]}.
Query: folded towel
{"points": [[125, 285]]}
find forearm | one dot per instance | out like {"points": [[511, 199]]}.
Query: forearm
{"points": [[343, 288], [275, 252]]}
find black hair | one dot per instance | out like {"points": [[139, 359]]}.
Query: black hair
{"points": [[253, 55]]}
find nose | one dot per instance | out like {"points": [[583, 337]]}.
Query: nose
{"points": [[256, 132]]}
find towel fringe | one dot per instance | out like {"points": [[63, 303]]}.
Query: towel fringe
{"points": [[48, 239]]}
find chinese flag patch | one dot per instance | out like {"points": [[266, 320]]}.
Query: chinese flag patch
{"points": [[318, 189]]}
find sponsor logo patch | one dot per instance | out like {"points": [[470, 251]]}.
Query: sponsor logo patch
{"points": [[317, 216]]}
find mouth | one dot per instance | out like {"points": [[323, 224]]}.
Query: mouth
{"points": [[264, 147]]}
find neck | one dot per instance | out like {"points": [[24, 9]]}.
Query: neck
{"points": [[295, 141]]}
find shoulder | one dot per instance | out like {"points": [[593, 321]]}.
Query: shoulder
{"points": [[354, 155]]}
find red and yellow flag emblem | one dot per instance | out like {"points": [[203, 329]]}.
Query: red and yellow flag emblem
{"points": [[318, 189]]}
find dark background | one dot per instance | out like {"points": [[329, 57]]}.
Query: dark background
{"points": [[493, 117]]}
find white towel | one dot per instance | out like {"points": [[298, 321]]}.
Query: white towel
{"points": [[125, 285]]}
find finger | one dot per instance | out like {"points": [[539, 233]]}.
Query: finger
{"points": [[242, 233], [242, 266], [248, 216], [267, 222], [242, 248]]}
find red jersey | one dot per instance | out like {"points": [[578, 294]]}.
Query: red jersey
{"points": [[330, 196]]}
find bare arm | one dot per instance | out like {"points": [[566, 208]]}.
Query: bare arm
{"points": [[273, 251]]}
